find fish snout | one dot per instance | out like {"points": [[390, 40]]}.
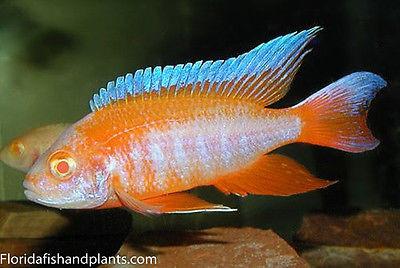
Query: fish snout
{"points": [[30, 190], [28, 185]]}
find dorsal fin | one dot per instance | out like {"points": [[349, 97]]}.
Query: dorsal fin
{"points": [[262, 75]]}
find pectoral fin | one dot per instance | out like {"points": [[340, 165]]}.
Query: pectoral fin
{"points": [[271, 175], [136, 204]]}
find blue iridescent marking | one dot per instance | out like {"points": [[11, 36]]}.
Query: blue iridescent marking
{"points": [[129, 83], [111, 90], [120, 87], [222, 73], [232, 70], [203, 73], [213, 71], [96, 100], [166, 75], [184, 75], [105, 98], [176, 75], [137, 82], [193, 73], [156, 79], [147, 79], [91, 105], [274, 61]]}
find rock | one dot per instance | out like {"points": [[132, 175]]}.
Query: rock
{"points": [[216, 247], [370, 238], [28, 220], [26, 229], [73, 246], [332, 256], [370, 229]]}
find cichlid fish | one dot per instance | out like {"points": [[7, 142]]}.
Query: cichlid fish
{"points": [[153, 135], [23, 151]]}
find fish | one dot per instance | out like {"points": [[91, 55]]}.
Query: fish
{"points": [[22, 152], [155, 134]]}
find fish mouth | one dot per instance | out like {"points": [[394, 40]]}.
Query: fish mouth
{"points": [[32, 195], [63, 203], [29, 188]]}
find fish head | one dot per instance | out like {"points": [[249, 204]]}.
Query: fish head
{"points": [[19, 154], [68, 175]]}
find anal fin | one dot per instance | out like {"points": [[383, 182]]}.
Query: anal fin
{"points": [[184, 203], [271, 174], [169, 203]]}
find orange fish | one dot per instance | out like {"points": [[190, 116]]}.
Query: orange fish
{"points": [[162, 131], [23, 151]]}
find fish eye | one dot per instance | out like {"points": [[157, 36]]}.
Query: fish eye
{"points": [[17, 147], [61, 164]]}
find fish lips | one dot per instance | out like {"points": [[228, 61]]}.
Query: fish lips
{"points": [[60, 203], [32, 195], [30, 192]]}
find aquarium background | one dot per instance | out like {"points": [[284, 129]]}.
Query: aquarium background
{"points": [[55, 54]]}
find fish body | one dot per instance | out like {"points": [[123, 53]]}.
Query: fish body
{"points": [[181, 143], [155, 134], [22, 152]]}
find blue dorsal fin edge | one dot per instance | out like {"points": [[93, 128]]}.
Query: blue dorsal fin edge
{"points": [[258, 72]]}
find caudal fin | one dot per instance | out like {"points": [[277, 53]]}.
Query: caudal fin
{"points": [[336, 115]]}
